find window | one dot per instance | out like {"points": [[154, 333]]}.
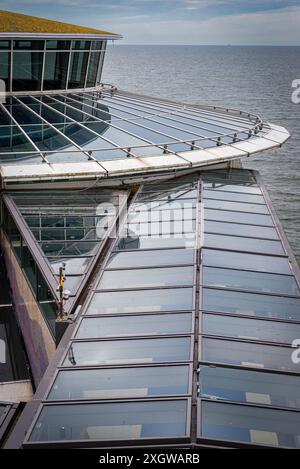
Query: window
{"points": [[250, 304], [256, 281], [255, 329], [93, 69], [27, 71], [245, 261], [255, 387], [236, 206], [248, 354], [238, 217], [250, 424], [120, 383], [243, 244], [5, 69], [117, 352], [151, 258], [141, 300], [117, 279], [147, 324], [56, 69], [106, 422], [236, 229], [78, 68], [233, 196]]}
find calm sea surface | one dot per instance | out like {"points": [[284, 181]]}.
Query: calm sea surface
{"points": [[256, 79]]}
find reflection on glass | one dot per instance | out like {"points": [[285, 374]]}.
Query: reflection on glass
{"points": [[238, 217], [244, 328], [117, 302], [245, 261], [234, 197], [243, 244], [255, 281], [118, 279], [147, 324], [119, 260], [250, 304], [236, 206], [251, 424], [248, 354], [106, 422], [114, 352], [240, 230], [250, 386], [120, 383]]}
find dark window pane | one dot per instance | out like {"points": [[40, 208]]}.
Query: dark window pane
{"points": [[28, 45], [27, 71], [236, 206], [248, 354], [251, 424], [4, 44], [56, 69], [250, 386], [78, 68], [81, 45], [5, 69], [120, 383], [243, 328], [250, 304], [148, 324], [118, 279], [106, 422], [60, 45], [141, 300], [255, 281], [243, 244], [240, 230], [151, 258], [93, 69], [238, 217], [128, 351], [235, 197], [245, 261]]}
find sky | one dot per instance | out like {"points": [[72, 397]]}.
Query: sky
{"points": [[207, 22]]}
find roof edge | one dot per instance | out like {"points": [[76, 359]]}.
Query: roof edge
{"points": [[36, 35]]}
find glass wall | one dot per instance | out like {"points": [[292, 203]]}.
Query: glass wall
{"points": [[50, 65]]}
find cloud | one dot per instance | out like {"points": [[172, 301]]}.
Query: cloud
{"points": [[273, 27]]}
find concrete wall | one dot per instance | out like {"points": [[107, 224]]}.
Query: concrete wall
{"points": [[39, 342]]}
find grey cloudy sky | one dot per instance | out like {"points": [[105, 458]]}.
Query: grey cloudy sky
{"points": [[270, 22]]}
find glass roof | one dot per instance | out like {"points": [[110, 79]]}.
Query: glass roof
{"points": [[179, 312], [105, 125]]}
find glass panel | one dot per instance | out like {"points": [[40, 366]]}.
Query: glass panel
{"points": [[234, 197], [223, 205], [240, 230], [5, 69], [128, 351], [120, 383], [56, 70], [118, 421], [243, 328], [72, 266], [151, 258], [141, 300], [186, 240], [78, 68], [4, 44], [250, 424], [118, 279], [251, 304], [256, 281], [148, 324], [27, 71], [93, 69], [81, 45], [60, 45], [245, 261], [245, 189], [162, 216], [248, 354], [28, 44], [243, 244], [250, 386], [238, 217], [161, 228]]}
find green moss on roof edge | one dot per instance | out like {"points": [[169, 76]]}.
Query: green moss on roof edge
{"points": [[11, 22]]}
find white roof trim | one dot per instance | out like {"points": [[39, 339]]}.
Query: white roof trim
{"points": [[137, 166]]}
